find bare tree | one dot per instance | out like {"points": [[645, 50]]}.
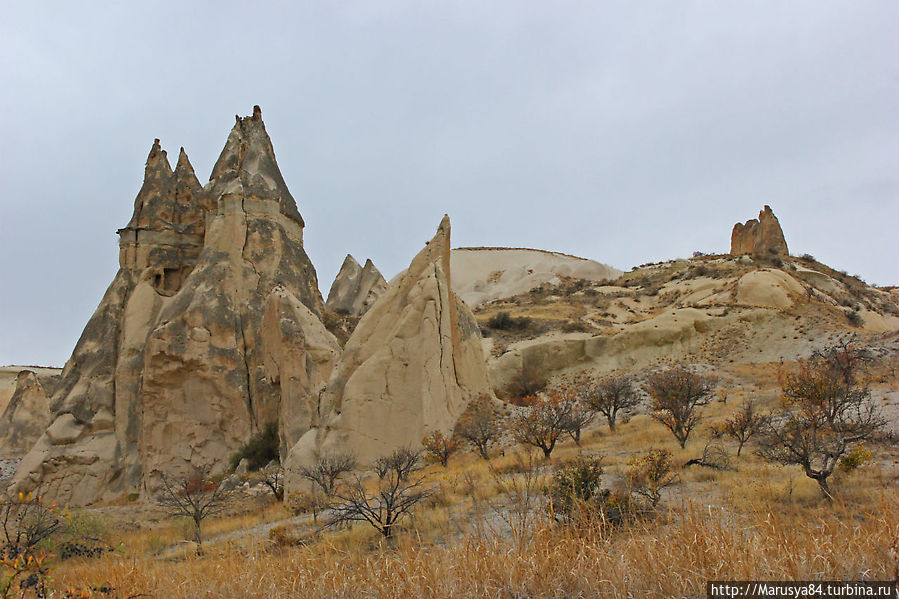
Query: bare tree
{"points": [[676, 395], [325, 472], [439, 448], [745, 424], [580, 416], [611, 395], [827, 412], [399, 490], [480, 425], [543, 423], [196, 496], [649, 474], [272, 476]]}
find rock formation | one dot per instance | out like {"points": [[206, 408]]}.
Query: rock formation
{"points": [[411, 366], [26, 416], [209, 330], [355, 288], [484, 274], [762, 237]]}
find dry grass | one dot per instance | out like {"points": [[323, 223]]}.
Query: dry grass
{"points": [[672, 555]]}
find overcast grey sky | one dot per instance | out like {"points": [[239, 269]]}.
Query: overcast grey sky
{"points": [[625, 132]]}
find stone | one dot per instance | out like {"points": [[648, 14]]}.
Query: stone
{"points": [[209, 330], [355, 288], [410, 367], [760, 238], [26, 416], [243, 466]]}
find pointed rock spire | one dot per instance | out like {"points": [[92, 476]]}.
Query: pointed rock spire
{"points": [[411, 366], [355, 288], [247, 166], [158, 188]]}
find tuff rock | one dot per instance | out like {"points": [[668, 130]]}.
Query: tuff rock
{"points": [[26, 416], [355, 288], [208, 331], [762, 237], [411, 366]]}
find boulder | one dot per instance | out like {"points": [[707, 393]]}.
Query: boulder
{"points": [[410, 367], [760, 238], [355, 288]]}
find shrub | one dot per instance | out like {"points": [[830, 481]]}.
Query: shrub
{"points": [[528, 382], [857, 457], [505, 322], [261, 449], [575, 486], [807, 258], [854, 318], [650, 473], [439, 448]]}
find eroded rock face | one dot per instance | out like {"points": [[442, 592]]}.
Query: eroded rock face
{"points": [[762, 237], [209, 331], [411, 366], [26, 416], [356, 288]]}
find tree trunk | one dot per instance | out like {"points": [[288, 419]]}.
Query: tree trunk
{"points": [[740, 448], [547, 451]]}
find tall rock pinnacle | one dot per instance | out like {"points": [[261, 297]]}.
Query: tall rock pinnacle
{"points": [[247, 167]]}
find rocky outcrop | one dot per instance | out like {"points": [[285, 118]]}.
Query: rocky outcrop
{"points": [[762, 237], [355, 288], [209, 331], [411, 366], [485, 274], [26, 416]]}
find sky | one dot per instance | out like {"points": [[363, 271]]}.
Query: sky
{"points": [[626, 132]]}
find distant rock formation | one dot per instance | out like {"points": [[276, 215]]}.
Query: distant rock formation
{"points": [[355, 288], [26, 416], [209, 330], [762, 237], [488, 273], [411, 366]]}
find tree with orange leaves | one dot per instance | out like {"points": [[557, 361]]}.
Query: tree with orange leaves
{"points": [[827, 412], [543, 421]]}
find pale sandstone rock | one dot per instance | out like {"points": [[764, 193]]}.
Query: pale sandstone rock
{"points": [[26, 416], [411, 366], [762, 237], [355, 288], [171, 371]]}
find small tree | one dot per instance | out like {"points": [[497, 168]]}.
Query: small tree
{"points": [[325, 472], [272, 476], [611, 395], [676, 395], [439, 448], [399, 490], [543, 423], [196, 496], [649, 474], [480, 425], [580, 416], [827, 412], [745, 424]]}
